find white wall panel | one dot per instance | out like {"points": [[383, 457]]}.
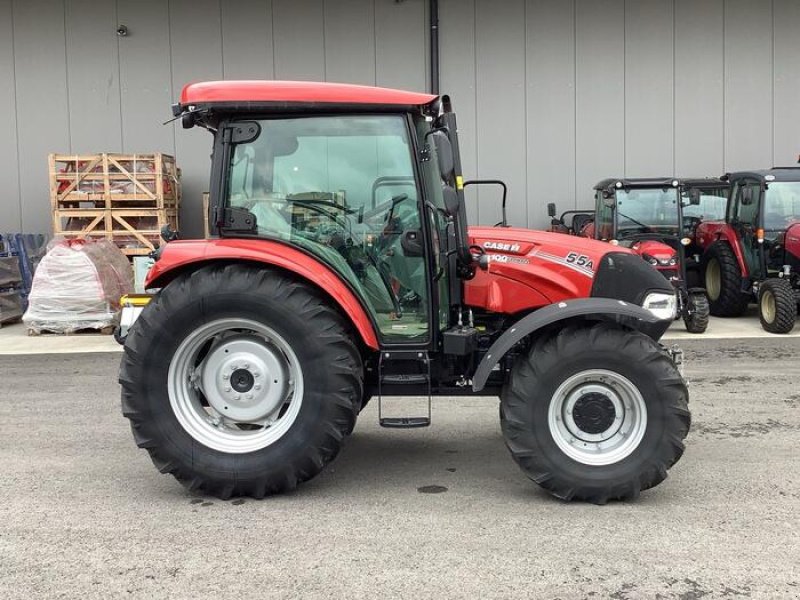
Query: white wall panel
{"points": [[10, 203], [247, 39], [748, 84], [500, 101], [649, 110], [699, 96], [42, 102], [550, 108], [786, 121], [600, 89]]}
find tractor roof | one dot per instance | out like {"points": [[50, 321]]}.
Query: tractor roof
{"points": [[774, 174], [660, 182], [266, 95]]}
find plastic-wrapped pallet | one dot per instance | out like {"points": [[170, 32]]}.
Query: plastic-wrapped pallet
{"points": [[78, 285], [10, 281]]}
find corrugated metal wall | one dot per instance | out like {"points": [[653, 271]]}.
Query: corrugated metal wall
{"points": [[552, 95]]}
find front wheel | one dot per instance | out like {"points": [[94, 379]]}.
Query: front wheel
{"points": [[777, 306], [240, 381], [595, 413], [697, 313]]}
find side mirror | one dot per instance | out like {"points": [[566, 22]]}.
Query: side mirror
{"points": [[451, 202], [694, 197], [551, 209], [444, 151], [168, 234], [609, 201], [747, 196]]}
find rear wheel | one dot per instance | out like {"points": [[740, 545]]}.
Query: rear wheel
{"points": [[723, 281], [696, 318], [777, 306], [240, 381], [595, 413]]}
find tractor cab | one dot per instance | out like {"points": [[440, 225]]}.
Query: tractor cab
{"points": [[753, 252]]}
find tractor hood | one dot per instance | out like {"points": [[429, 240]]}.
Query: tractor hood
{"points": [[647, 249], [528, 269]]}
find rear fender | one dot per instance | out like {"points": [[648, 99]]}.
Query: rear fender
{"points": [[723, 232], [184, 256], [595, 309]]}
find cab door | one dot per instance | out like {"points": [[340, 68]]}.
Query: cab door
{"points": [[744, 218]]}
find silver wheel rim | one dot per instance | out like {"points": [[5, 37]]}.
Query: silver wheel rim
{"points": [[616, 441], [235, 385], [713, 284], [768, 306]]}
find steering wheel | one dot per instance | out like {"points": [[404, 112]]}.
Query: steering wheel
{"points": [[319, 207]]}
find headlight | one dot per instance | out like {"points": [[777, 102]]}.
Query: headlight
{"points": [[673, 261], [661, 304], [651, 259]]}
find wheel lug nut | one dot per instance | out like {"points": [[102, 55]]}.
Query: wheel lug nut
{"points": [[227, 389], [246, 365], [249, 396], [237, 397], [258, 387], [256, 374], [225, 376]]}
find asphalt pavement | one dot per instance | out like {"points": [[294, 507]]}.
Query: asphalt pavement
{"points": [[84, 514]]}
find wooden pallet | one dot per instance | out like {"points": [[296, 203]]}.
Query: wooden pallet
{"points": [[86, 200], [108, 330]]}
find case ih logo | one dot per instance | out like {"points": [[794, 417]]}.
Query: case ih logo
{"points": [[501, 246]]}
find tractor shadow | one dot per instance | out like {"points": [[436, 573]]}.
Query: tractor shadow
{"points": [[377, 462]]}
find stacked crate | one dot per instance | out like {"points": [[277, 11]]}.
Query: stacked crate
{"points": [[11, 283], [125, 198]]}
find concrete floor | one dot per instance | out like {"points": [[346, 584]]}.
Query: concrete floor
{"points": [[85, 514]]}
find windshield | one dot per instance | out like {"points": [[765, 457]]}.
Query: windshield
{"points": [[647, 210], [782, 205], [711, 203]]}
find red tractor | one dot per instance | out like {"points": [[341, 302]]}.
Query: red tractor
{"points": [[342, 268], [656, 218], [753, 253]]}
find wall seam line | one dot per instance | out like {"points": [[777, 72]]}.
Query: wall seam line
{"points": [[171, 75], [772, 58], [66, 78], [724, 83], [525, 100], [575, 104], [674, 95], [119, 81], [16, 116], [272, 30], [221, 41]]}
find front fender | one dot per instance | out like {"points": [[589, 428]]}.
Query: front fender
{"points": [[597, 309]]}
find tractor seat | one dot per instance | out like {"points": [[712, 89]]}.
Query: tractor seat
{"points": [[579, 221]]}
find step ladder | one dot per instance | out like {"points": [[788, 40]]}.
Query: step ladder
{"points": [[402, 361]]}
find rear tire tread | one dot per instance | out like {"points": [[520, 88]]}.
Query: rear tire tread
{"points": [[336, 340]]}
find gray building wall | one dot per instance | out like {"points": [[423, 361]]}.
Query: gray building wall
{"points": [[552, 95]]}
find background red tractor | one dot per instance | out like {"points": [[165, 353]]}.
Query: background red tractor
{"points": [[754, 252], [655, 218], [343, 268]]}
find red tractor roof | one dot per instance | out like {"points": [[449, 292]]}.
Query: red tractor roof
{"points": [[297, 92]]}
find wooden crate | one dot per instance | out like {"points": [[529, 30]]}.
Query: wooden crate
{"points": [[126, 198], [114, 180]]}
